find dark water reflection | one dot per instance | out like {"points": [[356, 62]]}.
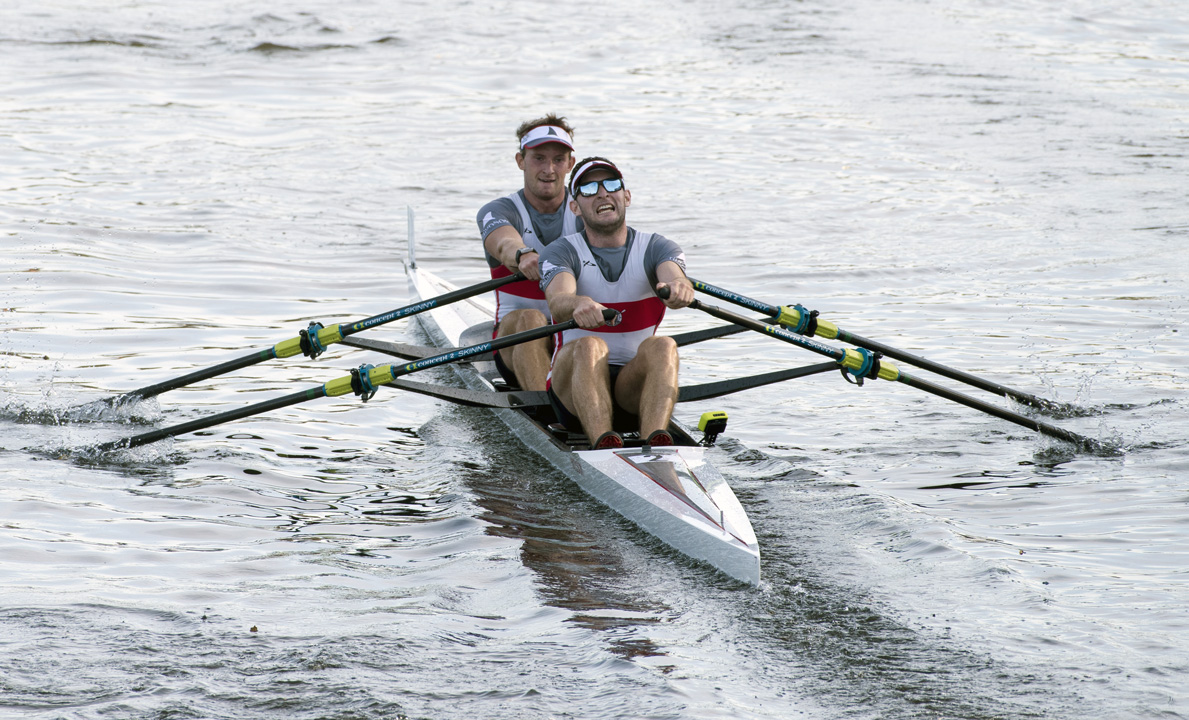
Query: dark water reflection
{"points": [[566, 538]]}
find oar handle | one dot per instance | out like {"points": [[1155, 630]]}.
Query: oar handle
{"points": [[440, 300]]}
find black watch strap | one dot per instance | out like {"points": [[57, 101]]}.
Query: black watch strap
{"points": [[522, 251]]}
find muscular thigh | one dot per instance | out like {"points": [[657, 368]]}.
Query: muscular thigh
{"points": [[629, 384], [656, 354], [580, 361]]}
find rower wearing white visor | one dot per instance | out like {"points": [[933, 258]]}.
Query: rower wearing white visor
{"points": [[515, 230], [608, 379]]}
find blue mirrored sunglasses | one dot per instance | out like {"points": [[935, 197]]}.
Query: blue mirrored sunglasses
{"points": [[591, 189]]}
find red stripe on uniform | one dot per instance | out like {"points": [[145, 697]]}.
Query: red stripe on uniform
{"points": [[530, 289], [637, 315]]}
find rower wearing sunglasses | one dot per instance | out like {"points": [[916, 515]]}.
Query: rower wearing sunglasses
{"points": [[607, 379], [515, 230]]}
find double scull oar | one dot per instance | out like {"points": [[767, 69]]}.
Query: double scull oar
{"points": [[808, 323], [313, 340], [865, 364]]}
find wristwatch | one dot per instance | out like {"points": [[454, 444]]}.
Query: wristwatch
{"points": [[522, 251]]}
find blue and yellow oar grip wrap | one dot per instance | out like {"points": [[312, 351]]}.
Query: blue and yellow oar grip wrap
{"points": [[288, 348], [381, 375], [330, 335], [796, 318], [338, 386], [855, 360], [826, 329], [292, 346], [377, 376], [789, 317]]}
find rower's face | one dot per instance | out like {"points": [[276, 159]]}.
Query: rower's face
{"points": [[545, 168], [604, 211]]}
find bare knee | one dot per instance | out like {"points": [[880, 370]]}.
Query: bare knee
{"points": [[658, 349], [521, 320], [589, 350]]}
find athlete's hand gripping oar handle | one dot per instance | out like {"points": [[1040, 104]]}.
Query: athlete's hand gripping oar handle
{"points": [[861, 364], [314, 340], [362, 382], [808, 323]]}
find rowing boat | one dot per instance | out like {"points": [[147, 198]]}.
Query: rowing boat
{"points": [[673, 493]]}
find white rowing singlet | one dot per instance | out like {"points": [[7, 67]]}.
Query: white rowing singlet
{"points": [[632, 295], [527, 294]]}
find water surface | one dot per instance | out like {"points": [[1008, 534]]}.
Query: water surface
{"points": [[998, 187]]}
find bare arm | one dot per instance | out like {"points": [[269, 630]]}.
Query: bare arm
{"points": [[681, 293], [565, 303], [502, 244]]}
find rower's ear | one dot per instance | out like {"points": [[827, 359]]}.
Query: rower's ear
{"points": [[627, 198]]}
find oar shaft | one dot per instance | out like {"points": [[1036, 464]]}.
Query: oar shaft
{"points": [[943, 370], [834, 332], [1044, 428], [735, 298], [203, 423], [445, 299], [197, 376], [775, 331], [406, 351], [325, 336]]}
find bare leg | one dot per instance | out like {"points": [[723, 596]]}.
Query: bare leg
{"points": [[647, 385], [582, 381], [529, 361]]}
